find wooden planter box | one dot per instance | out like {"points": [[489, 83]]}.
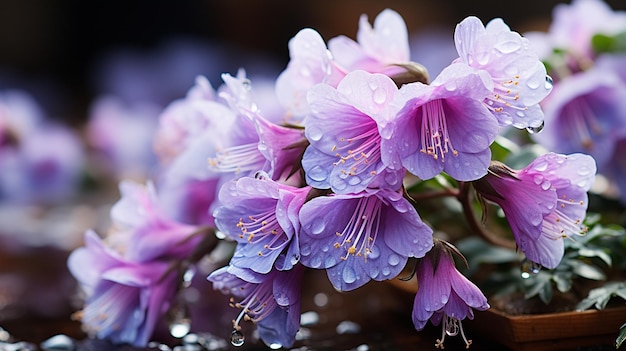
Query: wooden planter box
{"points": [[549, 332]]}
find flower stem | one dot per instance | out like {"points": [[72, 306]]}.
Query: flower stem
{"points": [[468, 211]]}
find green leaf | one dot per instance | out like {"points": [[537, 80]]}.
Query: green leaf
{"points": [[563, 281], [596, 252], [599, 297], [603, 43], [587, 271], [621, 336]]}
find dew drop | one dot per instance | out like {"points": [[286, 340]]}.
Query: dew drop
{"points": [[348, 327], [533, 83], [529, 268], [386, 271], [380, 96], [508, 46], [188, 277], [520, 113], [583, 171], [537, 129], [451, 86], [393, 259], [349, 275], [330, 261], [452, 328], [317, 174], [318, 226], [237, 338], [58, 342], [274, 346], [314, 133], [354, 180], [316, 261], [179, 321], [305, 249], [549, 83], [309, 318]]}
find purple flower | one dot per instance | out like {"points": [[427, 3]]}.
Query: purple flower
{"points": [[519, 77], [573, 26], [41, 161], [143, 232], [122, 136], [358, 237], [383, 48], [615, 169], [125, 299], [443, 126], [262, 216], [271, 301], [378, 49], [543, 203], [585, 113], [444, 294], [343, 128]]}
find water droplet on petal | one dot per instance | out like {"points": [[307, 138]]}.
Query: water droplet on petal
{"points": [[314, 133], [317, 174], [380, 96], [237, 338], [349, 275], [354, 180], [537, 129], [274, 346], [393, 259], [549, 83], [533, 83], [529, 268], [317, 226]]}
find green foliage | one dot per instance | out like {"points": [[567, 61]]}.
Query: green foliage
{"points": [[621, 336], [602, 43]]}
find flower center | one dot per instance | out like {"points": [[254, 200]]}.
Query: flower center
{"points": [[360, 233], [435, 139], [365, 152], [583, 124], [238, 159], [557, 225], [505, 93], [263, 227], [256, 305]]}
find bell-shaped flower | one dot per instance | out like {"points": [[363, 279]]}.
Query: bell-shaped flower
{"points": [[383, 48], [519, 77], [444, 295], [124, 299], [444, 126], [543, 202], [272, 301], [345, 152], [380, 48], [142, 231], [262, 216], [359, 237], [585, 113]]}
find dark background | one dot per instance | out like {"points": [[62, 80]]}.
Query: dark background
{"points": [[52, 47]]}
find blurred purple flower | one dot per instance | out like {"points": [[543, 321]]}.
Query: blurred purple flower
{"points": [[143, 232], [443, 126], [543, 202], [41, 161], [444, 295], [519, 77], [125, 299], [359, 237], [122, 137], [585, 113]]}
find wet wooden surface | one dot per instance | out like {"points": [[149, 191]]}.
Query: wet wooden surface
{"points": [[37, 297]]}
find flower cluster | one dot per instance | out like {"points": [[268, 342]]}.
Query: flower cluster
{"points": [[317, 176]]}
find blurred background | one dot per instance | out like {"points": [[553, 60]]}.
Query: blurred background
{"points": [[66, 52]]}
